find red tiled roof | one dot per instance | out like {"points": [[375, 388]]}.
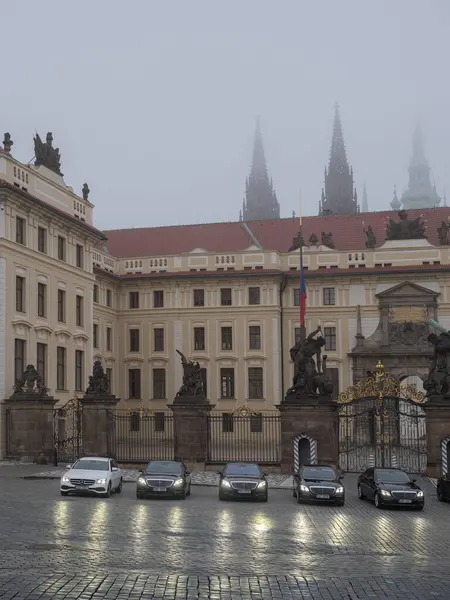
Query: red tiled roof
{"points": [[178, 239], [347, 230]]}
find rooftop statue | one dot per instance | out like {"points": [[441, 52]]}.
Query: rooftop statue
{"points": [[30, 384], [192, 378], [46, 155], [437, 383], [371, 240], [405, 229], [98, 381]]}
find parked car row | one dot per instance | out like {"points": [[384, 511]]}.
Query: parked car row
{"points": [[311, 484]]}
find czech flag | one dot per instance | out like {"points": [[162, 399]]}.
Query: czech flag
{"points": [[302, 294]]}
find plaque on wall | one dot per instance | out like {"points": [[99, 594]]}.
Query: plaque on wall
{"points": [[408, 314]]}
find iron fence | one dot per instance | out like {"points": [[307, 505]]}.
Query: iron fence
{"points": [[140, 436], [252, 437]]}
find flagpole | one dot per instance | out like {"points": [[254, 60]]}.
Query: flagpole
{"points": [[302, 325]]}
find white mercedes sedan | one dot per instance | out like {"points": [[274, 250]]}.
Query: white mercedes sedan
{"points": [[92, 475]]}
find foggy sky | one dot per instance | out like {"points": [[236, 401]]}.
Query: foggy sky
{"points": [[154, 103]]}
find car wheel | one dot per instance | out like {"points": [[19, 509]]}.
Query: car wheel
{"points": [[119, 487], [107, 494], [340, 503], [221, 496], [188, 493], [64, 493], [299, 500], [420, 507], [440, 495], [377, 501], [294, 493], [360, 492], [182, 496]]}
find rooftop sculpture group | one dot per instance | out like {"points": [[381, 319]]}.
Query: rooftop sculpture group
{"points": [[46, 155], [30, 384], [98, 381], [405, 229], [192, 378], [437, 384]]}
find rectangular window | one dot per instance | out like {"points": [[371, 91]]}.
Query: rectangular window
{"points": [[298, 334], [133, 300], [95, 335], [79, 254], [108, 298], [109, 338], [79, 370], [41, 361], [61, 306], [329, 333], [160, 421], [96, 293], [204, 376], [329, 296], [61, 248], [227, 338], [20, 231], [135, 421], [20, 294], [42, 240], [199, 338], [158, 299], [42, 300], [158, 339], [61, 354], [227, 423], [19, 359], [255, 383], [79, 311], [227, 383], [109, 375], [226, 297], [134, 340], [254, 337], [254, 295], [134, 383], [297, 297], [159, 384], [333, 374], [199, 297], [256, 423]]}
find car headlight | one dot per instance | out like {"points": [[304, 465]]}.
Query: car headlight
{"points": [[340, 490], [262, 484], [101, 481], [141, 481], [304, 488], [385, 493], [225, 483], [178, 482], [65, 479], [420, 494]]}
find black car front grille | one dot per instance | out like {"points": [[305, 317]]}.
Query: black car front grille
{"points": [[322, 490], [82, 481], [404, 495], [243, 485], [160, 483]]}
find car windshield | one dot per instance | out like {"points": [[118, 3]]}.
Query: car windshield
{"points": [[92, 465], [168, 468], [324, 473], [242, 470], [392, 476]]}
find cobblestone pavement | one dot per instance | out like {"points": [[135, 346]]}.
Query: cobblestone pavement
{"points": [[121, 548]]}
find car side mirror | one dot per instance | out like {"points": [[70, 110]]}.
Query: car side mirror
{"points": [[219, 472], [114, 469], [187, 472], [68, 466], [414, 480]]}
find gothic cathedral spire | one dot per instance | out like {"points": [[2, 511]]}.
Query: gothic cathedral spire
{"points": [[339, 197], [260, 202]]}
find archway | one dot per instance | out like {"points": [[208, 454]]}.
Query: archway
{"points": [[305, 450], [445, 450]]}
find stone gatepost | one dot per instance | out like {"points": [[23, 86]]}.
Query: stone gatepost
{"points": [[98, 407], [312, 419], [437, 412], [29, 420], [191, 428]]}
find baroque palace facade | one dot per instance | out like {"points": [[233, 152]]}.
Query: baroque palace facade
{"points": [[225, 294]]}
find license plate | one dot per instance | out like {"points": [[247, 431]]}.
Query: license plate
{"points": [[81, 487], [323, 496], [160, 489], [405, 501], [245, 491]]}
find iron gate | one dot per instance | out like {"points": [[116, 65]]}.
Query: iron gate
{"points": [[68, 432], [381, 431]]}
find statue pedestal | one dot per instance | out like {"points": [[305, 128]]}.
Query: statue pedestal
{"points": [[190, 415], [315, 421], [29, 427], [98, 424], [437, 411]]}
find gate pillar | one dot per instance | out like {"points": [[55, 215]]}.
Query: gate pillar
{"points": [[191, 428], [29, 420], [437, 412], [98, 427], [315, 418]]}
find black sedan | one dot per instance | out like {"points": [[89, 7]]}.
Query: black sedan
{"points": [[319, 483], [242, 480], [390, 487], [443, 488], [164, 478]]}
